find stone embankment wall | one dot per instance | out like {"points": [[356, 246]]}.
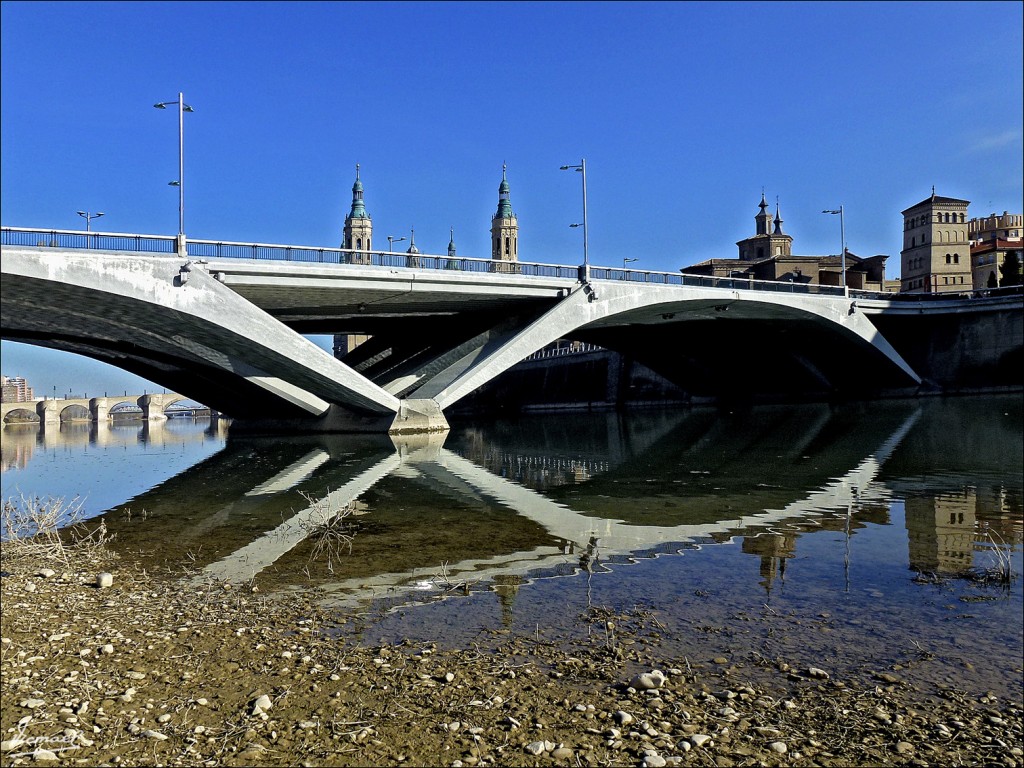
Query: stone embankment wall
{"points": [[961, 352]]}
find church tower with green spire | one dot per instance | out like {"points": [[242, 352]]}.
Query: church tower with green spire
{"points": [[358, 234], [504, 226]]}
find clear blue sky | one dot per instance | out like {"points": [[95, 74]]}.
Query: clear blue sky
{"points": [[683, 111]]}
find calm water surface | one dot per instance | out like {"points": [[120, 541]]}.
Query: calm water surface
{"points": [[828, 536]]}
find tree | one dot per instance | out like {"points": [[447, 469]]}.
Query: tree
{"points": [[1010, 269]]}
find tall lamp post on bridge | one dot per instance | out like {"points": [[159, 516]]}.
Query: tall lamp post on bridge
{"points": [[582, 169], [180, 183], [628, 261], [88, 218], [842, 233], [391, 242]]}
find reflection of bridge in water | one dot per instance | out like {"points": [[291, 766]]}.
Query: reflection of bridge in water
{"points": [[20, 441], [51, 412], [249, 511]]}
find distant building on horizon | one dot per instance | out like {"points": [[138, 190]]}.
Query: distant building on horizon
{"points": [[993, 239], [768, 255], [16, 390]]}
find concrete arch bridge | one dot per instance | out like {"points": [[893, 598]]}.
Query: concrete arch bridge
{"points": [[227, 331]]}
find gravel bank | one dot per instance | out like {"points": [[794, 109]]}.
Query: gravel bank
{"points": [[150, 671]]}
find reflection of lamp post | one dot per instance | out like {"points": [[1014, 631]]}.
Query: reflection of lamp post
{"points": [[88, 218], [392, 241], [582, 168], [180, 183], [842, 232]]}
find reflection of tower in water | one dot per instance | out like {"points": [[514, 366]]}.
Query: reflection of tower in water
{"points": [[507, 587], [774, 550], [940, 532]]}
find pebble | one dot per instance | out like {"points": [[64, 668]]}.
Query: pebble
{"points": [[648, 680], [32, 703], [44, 754], [778, 746], [535, 747], [151, 734], [699, 739], [10, 745], [46, 573], [104, 580], [253, 752], [108, 648], [262, 704], [655, 761], [562, 753], [904, 747], [623, 718], [820, 674], [164, 718]]}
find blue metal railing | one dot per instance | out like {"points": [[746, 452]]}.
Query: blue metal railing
{"points": [[102, 241], [212, 249]]}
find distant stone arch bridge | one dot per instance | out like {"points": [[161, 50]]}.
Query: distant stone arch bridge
{"points": [[227, 331], [52, 411]]}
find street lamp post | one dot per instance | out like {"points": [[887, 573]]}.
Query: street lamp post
{"points": [[392, 241], [88, 218], [180, 183], [628, 261], [842, 234], [582, 169]]}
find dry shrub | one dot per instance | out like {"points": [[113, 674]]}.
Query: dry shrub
{"points": [[36, 531], [329, 531]]}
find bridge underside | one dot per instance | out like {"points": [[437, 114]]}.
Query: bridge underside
{"points": [[192, 329], [741, 359]]}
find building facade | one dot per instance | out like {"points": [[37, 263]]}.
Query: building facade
{"points": [[936, 255], [993, 240], [16, 390]]}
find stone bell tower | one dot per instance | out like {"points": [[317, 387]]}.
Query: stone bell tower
{"points": [[504, 226], [358, 234]]}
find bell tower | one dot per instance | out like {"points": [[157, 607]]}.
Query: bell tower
{"points": [[504, 226], [767, 242], [358, 235]]}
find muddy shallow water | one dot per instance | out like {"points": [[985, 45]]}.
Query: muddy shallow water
{"points": [[849, 538]]}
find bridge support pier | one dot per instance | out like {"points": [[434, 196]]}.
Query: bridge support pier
{"points": [[99, 409], [49, 414], [152, 407], [418, 416]]}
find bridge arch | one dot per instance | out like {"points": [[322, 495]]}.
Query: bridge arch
{"points": [[21, 414], [654, 320]]}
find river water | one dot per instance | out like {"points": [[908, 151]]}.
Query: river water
{"points": [[837, 537]]}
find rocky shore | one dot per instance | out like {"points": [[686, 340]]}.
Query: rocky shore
{"points": [[153, 670]]}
